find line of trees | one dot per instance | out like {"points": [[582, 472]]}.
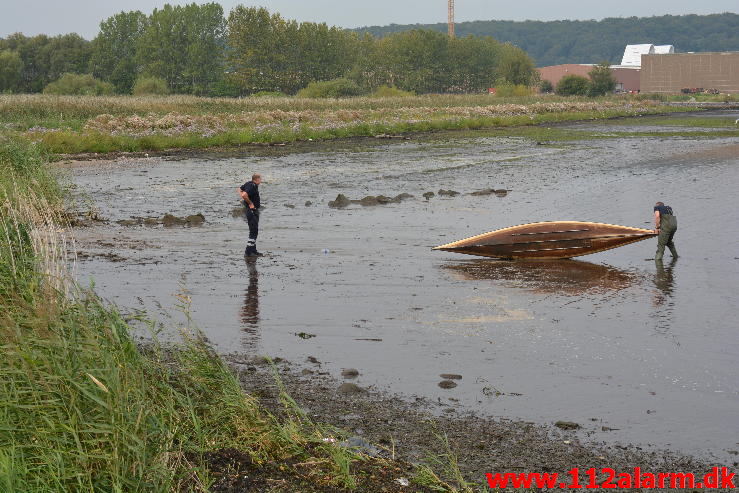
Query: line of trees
{"points": [[556, 42], [195, 49]]}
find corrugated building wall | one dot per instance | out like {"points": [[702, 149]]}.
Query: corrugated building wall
{"points": [[626, 77], [673, 72]]}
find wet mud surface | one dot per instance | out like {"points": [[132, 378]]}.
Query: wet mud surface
{"points": [[632, 351], [423, 430]]}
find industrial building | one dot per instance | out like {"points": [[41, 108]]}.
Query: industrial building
{"points": [[658, 69], [690, 72], [627, 77], [633, 53]]}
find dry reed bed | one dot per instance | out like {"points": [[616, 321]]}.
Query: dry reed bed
{"points": [[107, 123], [47, 106], [41, 104], [206, 125], [83, 124]]}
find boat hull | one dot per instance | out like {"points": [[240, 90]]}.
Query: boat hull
{"points": [[548, 240]]}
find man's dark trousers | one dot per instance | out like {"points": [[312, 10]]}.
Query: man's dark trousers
{"points": [[252, 218], [667, 229]]}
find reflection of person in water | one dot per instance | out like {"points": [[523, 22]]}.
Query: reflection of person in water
{"points": [[250, 310], [663, 299], [664, 280]]}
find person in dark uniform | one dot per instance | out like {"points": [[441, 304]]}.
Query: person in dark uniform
{"points": [[665, 225], [249, 192]]}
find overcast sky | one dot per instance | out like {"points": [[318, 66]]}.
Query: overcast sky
{"points": [[83, 16]]}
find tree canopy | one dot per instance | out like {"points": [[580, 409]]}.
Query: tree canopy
{"points": [[557, 42], [194, 49]]}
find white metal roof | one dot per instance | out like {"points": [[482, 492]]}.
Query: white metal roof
{"points": [[664, 49], [633, 53]]}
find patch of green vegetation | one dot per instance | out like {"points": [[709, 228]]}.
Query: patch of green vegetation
{"points": [[686, 133], [703, 98], [441, 472], [676, 121], [76, 142]]}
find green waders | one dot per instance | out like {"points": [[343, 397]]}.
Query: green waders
{"points": [[667, 228]]}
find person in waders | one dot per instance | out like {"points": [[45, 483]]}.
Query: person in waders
{"points": [[665, 225], [249, 192]]}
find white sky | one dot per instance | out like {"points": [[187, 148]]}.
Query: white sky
{"points": [[83, 16]]}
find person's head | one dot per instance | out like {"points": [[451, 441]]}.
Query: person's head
{"points": [[256, 178], [659, 204]]}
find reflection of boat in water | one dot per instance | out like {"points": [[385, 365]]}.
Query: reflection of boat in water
{"points": [[548, 240], [571, 277]]}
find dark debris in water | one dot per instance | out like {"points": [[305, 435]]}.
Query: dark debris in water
{"points": [[491, 191], [168, 220], [305, 335], [567, 425], [342, 200]]}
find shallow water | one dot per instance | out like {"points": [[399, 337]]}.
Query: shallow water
{"points": [[611, 340]]}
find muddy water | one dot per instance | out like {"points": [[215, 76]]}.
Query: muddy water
{"points": [[615, 342]]}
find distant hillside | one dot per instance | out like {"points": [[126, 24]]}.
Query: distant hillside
{"points": [[555, 42]]}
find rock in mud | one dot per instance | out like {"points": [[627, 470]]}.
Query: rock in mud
{"points": [[428, 195], [151, 221], [448, 193], [447, 384], [451, 376], [308, 203], [129, 222], [372, 200], [340, 202], [195, 219], [359, 444], [350, 388], [490, 191], [350, 373], [290, 206], [567, 425], [169, 220], [79, 223]]}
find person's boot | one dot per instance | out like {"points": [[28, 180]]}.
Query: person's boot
{"points": [[250, 251], [673, 251]]}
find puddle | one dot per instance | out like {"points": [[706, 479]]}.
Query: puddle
{"points": [[647, 351]]}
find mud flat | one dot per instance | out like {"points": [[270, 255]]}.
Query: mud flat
{"points": [[425, 431], [632, 351]]}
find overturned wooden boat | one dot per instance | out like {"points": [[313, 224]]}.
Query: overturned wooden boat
{"points": [[548, 240]]}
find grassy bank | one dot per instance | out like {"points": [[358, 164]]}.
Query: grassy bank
{"points": [[71, 125], [83, 408]]}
